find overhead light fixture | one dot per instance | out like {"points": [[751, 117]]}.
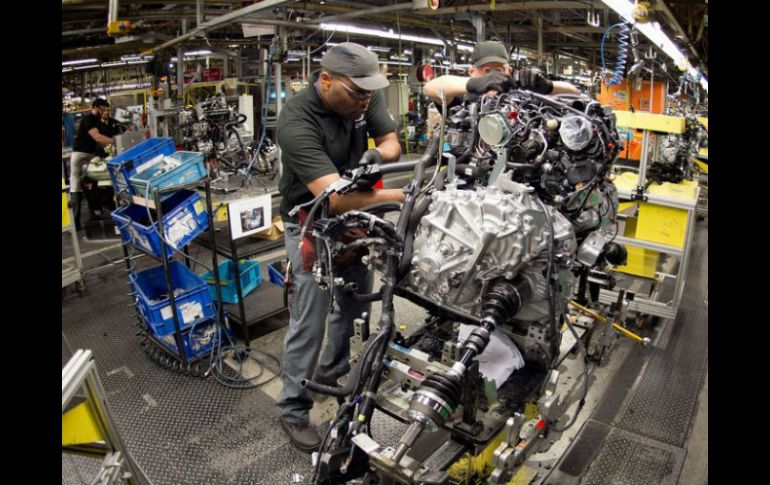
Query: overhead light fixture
{"points": [[115, 63], [465, 47], [66, 69], [79, 61], [383, 34], [655, 34], [90, 66], [392, 63], [133, 57], [138, 62], [201, 52], [377, 48]]}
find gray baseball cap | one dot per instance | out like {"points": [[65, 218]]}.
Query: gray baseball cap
{"points": [[356, 62], [489, 51]]}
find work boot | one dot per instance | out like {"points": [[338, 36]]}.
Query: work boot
{"points": [[301, 435]]}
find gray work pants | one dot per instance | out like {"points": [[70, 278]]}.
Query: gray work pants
{"points": [[308, 308], [78, 163]]}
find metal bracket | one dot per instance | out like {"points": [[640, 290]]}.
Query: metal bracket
{"points": [[639, 194], [592, 18]]}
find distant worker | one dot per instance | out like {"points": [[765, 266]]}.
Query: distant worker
{"points": [[491, 73], [88, 143]]}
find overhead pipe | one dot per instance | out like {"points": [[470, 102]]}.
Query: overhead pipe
{"points": [[361, 13], [223, 20]]}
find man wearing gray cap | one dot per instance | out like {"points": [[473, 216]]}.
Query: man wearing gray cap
{"points": [[322, 132], [490, 73]]}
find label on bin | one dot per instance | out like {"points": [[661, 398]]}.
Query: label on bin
{"points": [[198, 207], [166, 313], [180, 227], [189, 312]]}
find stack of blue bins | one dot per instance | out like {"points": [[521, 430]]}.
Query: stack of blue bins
{"points": [[140, 173]]}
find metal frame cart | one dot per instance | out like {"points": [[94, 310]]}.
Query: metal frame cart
{"points": [[664, 222], [69, 273], [156, 204], [165, 260], [88, 428]]}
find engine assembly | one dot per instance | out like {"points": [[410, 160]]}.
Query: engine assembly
{"points": [[217, 130], [502, 240]]}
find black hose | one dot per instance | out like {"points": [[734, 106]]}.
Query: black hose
{"points": [[421, 206]]}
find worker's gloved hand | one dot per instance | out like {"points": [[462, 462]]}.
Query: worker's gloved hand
{"points": [[494, 81], [532, 79], [365, 177], [371, 156]]}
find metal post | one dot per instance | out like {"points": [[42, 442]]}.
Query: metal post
{"points": [[684, 263], [198, 13], [167, 271], [643, 159], [112, 12], [539, 40], [279, 90], [478, 26], [180, 67], [214, 259], [239, 290], [652, 85]]}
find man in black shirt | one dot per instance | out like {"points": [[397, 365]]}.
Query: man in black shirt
{"points": [[491, 73], [323, 131], [88, 143]]}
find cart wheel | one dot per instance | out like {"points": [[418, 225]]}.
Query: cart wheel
{"points": [[80, 286]]}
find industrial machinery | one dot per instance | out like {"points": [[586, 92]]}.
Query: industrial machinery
{"points": [[495, 247], [677, 152], [217, 130]]}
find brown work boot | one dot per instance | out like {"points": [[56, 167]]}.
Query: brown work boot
{"points": [[301, 435]]}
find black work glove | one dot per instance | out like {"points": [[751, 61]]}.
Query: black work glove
{"points": [[533, 80], [495, 80], [366, 177], [371, 156]]}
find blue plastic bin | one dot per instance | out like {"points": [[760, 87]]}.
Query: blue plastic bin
{"points": [[192, 298], [251, 278], [125, 165], [159, 175], [196, 341], [277, 272], [184, 218]]}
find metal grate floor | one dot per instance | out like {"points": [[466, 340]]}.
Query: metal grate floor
{"points": [[183, 430], [648, 429]]}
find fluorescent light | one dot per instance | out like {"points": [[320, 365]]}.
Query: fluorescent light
{"points": [[624, 8], [66, 69], [90, 66], [79, 61], [392, 63], [465, 47], [399, 58], [138, 62], [130, 58], [377, 48], [201, 52], [116, 63], [384, 34]]}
